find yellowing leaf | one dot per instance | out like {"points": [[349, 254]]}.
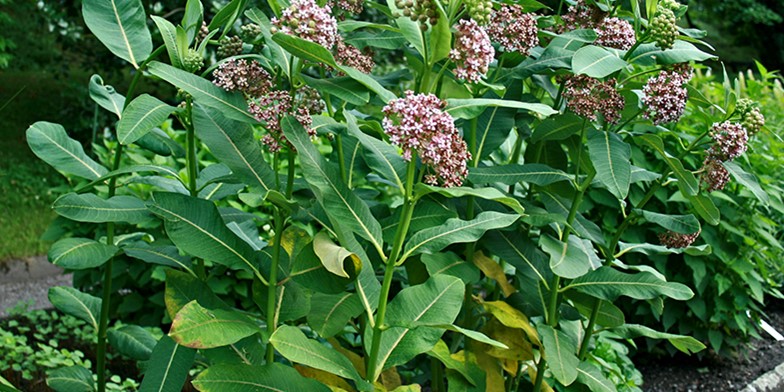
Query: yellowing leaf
{"points": [[494, 271], [335, 383], [520, 349], [512, 318], [333, 256], [390, 379]]}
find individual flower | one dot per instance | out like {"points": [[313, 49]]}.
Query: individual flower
{"points": [[585, 96], [306, 20], [417, 123], [581, 16], [664, 97], [351, 56], [513, 29], [472, 52], [672, 239], [730, 141], [270, 110], [714, 175], [241, 75], [229, 46], [615, 33]]}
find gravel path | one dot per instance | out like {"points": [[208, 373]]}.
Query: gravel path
{"points": [[28, 279]]}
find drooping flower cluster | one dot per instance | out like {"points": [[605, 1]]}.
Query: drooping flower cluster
{"points": [[585, 96], [615, 33], [306, 20], [417, 123], [310, 99], [665, 95], [714, 175], [513, 29], [672, 239], [270, 110], [730, 141], [349, 55], [472, 52], [242, 75]]}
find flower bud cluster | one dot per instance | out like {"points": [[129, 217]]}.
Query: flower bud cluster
{"points": [[672, 239], [242, 75], [730, 141], [663, 29], [421, 11], [250, 32], [665, 96], [309, 98], [204, 31], [417, 123], [306, 20], [229, 46], [513, 29], [615, 33], [751, 117], [585, 96], [473, 52], [193, 61], [270, 110], [480, 10], [349, 55]]}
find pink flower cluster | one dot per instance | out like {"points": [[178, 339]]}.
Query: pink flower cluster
{"points": [[714, 175], [271, 108], [615, 33], [306, 20], [351, 56], [513, 29], [585, 96], [581, 16], [472, 52], [245, 76], [417, 123], [730, 141], [665, 96], [672, 239]]}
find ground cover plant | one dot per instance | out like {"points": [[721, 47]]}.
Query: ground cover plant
{"points": [[473, 218]]}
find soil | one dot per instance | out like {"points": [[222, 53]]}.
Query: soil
{"points": [[714, 374]]}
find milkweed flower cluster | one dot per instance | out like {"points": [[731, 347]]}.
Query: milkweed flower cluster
{"points": [[271, 108], [472, 52], [671, 239], [349, 55], [714, 175], [615, 33], [244, 76], [585, 96], [417, 123], [513, 29], [352, 6], [665, 95], [582, 16], [306, 20], [730, 141]]}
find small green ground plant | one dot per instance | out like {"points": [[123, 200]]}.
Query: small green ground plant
{"points": [[472, 221]]}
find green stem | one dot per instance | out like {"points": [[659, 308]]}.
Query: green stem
{"points": [[389, 270], [589, 329], [191, 153], [341, 158]]}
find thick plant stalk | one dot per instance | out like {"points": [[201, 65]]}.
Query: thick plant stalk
{"points": [[397, 247]]}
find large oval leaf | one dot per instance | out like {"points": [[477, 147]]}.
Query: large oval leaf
{"points": [[684, 224], [71, 379], [132, 341], [142, 115], [596, 62], [534, 173], [608, 284], [76, 303], [168, 367], [567, 259], [50, 143], [470, 108], [686, 181], [330, 313], [167, 255], [197, 327], [88, 207], [559, 350], [121, 26], [248, 378], [106, 96], [611, 157], [80, 253]]}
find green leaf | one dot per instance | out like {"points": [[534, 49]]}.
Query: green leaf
{"points": [[121, 26], [705, 208], [159, 254], [6, 386], [333, 256], [330, 313], [474, 335], [408, 28], [292, 344], [559, 349], [534, 173], [441, 352], [132, 341], [492, 129], [169, 35], [552, 58], [88, 207], [590, 376], [437, 301], [71, 379], [380, 156], [192, 18], [470, 108], [235, 145], [142, 115], [558, 128], [522, 253], [232, 105], [160, 143], [248, 378], [452, 265], [608, 315], [305, 49], [345, 88], [106, 96], [650, 249], [196, 227], [684, 224], [567, 260], [76, 303], [168, 367], [686, 344], [367, 81], [197, 327], [596, 62], [492, 194], [279, 56], [440, 37], [386, 39], [748, 180], [608, 284], [181, 289], [80, 253], [50, 143], [686, 181], [345, 207], [455, 231], [681, 52], [611, 157]]}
